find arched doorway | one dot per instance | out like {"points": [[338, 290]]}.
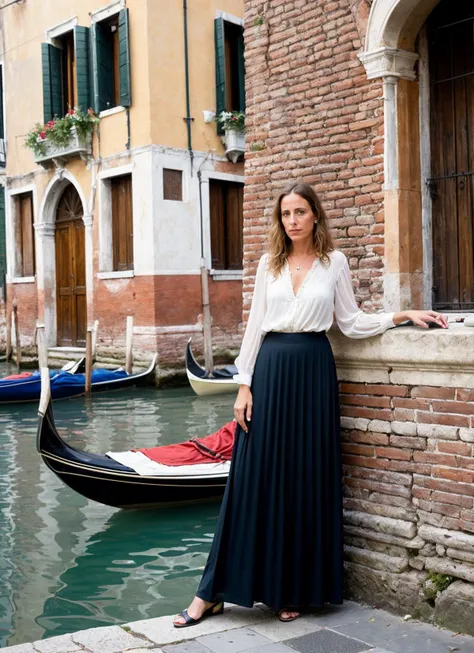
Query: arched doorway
{"points": [[451, 182], [70, 270]]}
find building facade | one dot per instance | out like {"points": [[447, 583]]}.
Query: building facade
{"points": [[122, 224], [371, 103]]}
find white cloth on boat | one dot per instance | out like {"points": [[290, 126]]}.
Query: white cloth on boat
{"points": [[144, 466], [326, 291]]}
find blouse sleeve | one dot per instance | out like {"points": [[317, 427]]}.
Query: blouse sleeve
{"points": [[353, 322], [253, 333]]}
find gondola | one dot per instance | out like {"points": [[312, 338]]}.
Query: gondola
{"points": [[70, 382], [100, 478], [202, 383]]}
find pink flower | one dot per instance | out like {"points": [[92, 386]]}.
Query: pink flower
{"points": [[90, 111], [42, 134], [70, 112], [50, 124]]}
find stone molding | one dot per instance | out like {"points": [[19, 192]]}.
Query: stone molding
{"points": [[389, 62], [408, 356], [45, 229]]}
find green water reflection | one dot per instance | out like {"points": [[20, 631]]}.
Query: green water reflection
{"points": [[67, 563]]}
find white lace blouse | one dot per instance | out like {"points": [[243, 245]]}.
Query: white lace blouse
{"points": [[326, 290]]}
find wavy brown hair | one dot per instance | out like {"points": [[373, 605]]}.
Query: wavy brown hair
{"points": [[279, 243]]}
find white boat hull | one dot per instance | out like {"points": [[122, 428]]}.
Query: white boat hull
{"points": [[204, 387]]}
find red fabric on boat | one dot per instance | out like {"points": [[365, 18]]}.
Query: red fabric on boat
{"points": [[14, 377], [190, 453]]}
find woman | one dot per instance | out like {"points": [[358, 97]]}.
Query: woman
{"points": [[279, 538]]}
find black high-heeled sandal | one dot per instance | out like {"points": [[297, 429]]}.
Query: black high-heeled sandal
{"points": [[212, 611]]}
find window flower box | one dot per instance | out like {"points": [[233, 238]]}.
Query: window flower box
{"points": [[233, 124], [61, 139], [234, 144], [59, 155]]}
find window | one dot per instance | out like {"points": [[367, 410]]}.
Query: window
{"points": [[111, 62], [172, 185], [66, 73], [230, 69], [24, 235], [122, 223], [68, 62], [226, 209]]}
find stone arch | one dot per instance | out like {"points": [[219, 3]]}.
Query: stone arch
{"points": [[396, 23], [53, 193], [46, 249]]}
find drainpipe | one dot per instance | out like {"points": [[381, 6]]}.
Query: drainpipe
{"points": [[188, 118]]}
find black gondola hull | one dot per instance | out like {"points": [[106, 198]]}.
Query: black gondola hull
{"points": [[106, 481]]}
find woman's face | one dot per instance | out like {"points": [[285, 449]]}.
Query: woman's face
{"points": [[297, 218]]}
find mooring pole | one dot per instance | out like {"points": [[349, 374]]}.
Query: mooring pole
{"points": [[88, 360], [17, 333], [129, 345]]}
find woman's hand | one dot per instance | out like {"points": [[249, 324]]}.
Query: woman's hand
{"points": [[243, 406], [421, 318]]}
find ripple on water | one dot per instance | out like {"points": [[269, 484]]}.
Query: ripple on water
{"points": [[67, 563]]}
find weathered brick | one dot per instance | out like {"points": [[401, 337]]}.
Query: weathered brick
{"points": [[433, 392], [460, 448], [441, 418]]}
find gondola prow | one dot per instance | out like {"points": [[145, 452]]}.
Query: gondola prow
{"points": [[45, 396]]}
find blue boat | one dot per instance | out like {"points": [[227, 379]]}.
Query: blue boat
{"points": [[71, 382]]}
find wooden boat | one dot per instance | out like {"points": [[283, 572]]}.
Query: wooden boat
{"points": [[102, 479], [70, 382], [202, 383]]}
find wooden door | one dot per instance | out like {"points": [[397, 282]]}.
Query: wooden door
{"points": [[451, 55], [70, 271]]}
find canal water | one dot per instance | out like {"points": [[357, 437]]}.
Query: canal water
{"points": [[67, 563]]}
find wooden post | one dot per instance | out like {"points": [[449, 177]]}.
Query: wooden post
{"points": [[88, 360], [17, 334], [207, 321], [9, 336], [129, 345], [41, 346], [95, 330]]}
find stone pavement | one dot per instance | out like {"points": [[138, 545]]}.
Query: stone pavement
{"points": [[351, 628]]}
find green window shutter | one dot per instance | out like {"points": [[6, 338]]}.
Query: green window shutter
{"points": [[219, 43], [47, 105], [52, 81], [3, 238], [81, 41], [93, 73], [102, 70], [124, 59], [241, 61]]}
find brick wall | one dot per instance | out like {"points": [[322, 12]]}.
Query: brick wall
{"points": [[312, 114], [165, 301], [409, 494], [26, 296]]}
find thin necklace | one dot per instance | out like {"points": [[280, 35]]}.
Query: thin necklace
{"points": [[298, 267]]}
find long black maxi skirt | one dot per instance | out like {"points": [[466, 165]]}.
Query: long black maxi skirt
{"points": [[279, 536]]}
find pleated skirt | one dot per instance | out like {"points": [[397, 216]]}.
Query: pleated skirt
{"points": [[279, 535]]}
